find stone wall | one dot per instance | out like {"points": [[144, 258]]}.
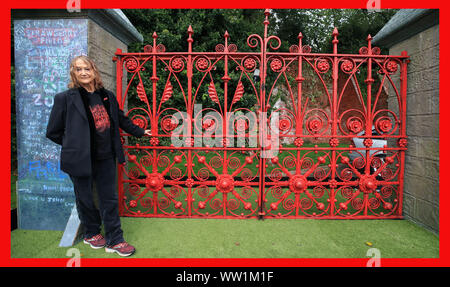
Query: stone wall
{"points": [[101, 48], [421, 190]]}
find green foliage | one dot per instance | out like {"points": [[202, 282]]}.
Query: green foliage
{"points": [[288, 24], [317, 26], [354, 26], [209, 27]]}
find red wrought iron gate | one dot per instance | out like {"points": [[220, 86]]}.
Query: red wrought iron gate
{"points": [[325, 137]]}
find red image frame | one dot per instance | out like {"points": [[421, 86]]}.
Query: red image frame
{"points": [[5, 250]]}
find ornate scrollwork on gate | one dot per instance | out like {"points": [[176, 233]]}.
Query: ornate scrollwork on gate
{"points": [[265, 133]]}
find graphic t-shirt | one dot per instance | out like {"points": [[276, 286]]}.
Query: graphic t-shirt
{"points": [[102, 127]]}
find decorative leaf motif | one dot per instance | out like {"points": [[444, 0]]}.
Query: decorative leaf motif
{"points": [[141, 93], [168, 92], [213, 93], [238, 94]]}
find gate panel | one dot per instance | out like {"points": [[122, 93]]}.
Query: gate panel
{"points": [[265, 133]]}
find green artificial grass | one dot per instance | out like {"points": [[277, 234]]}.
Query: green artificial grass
{"points": [[222, 238]]}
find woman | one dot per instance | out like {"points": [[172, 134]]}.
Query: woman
{"points": [[85, 121]]}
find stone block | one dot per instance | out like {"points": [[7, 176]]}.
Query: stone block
{"points": [[418, 103], [426, 59], [102, 47], [422, 125], [428, 214], [412, 147], [109, 82], [428, 148], [414, 166], [103, 37], [422, 188], [431, 168], [428, 38], [417, 43], [102, 59], [410, 45], [409, 204], [434, 102], [423, 80]]}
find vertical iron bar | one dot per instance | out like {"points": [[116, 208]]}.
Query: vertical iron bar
{"points": [[154, 123], [334, 117], [189, 115], [369, 81], [262, 117], [299, 120], [119, 78], [404, 88], [225, 79]]}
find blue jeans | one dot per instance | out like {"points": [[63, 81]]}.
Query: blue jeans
{"points": [[104, 178]]}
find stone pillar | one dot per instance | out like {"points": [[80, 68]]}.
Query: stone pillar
{"points": [[45, 41], [417, 32], [421, 195]]}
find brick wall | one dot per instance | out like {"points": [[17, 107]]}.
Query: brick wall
{"points": [[421, 191]]}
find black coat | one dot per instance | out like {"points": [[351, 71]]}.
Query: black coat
{"points": [[71, 126]]}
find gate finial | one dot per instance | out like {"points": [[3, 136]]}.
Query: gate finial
{"points": [[190, 40], [335, 40], [300, 37], [335, 32], [266, 21], [154, 36], [226, 40], [369, 43]]}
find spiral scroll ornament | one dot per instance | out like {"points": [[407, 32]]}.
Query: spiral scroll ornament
{"points": [[317, 122], [386, 122], [355, 125], [140, 121], [169, 123]]}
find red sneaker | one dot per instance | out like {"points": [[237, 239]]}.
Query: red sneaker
{"points": [[123, 249], [96, 241]]}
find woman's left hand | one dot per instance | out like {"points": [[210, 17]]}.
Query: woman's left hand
{"points": [[148, 132]]}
